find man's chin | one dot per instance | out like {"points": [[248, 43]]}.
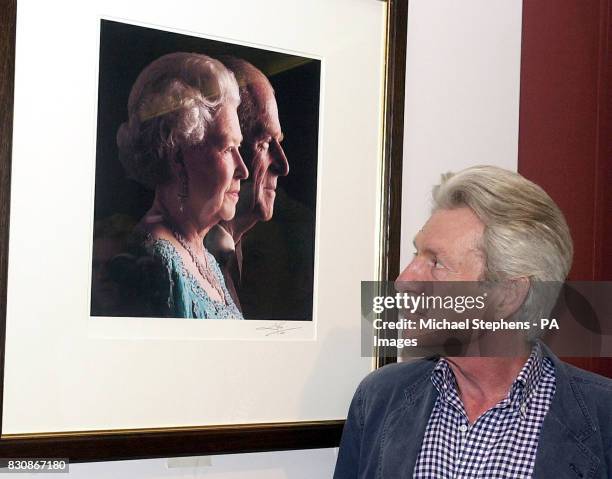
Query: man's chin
{"points": [[264, 210], [265, 214]]}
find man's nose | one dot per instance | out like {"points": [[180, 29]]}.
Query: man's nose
{"points": [[417, 270], [414, 278], [279, 160]]}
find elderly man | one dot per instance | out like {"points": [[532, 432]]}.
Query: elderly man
{"points": [[483, 417], [265, 159]]}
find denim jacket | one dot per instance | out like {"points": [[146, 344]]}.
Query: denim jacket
{"points": [[387, 418]]}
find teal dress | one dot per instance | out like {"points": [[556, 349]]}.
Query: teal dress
{"points": [[153, 282], [184, 297]]}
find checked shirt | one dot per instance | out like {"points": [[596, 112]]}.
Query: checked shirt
{"points": [[502, 443]]}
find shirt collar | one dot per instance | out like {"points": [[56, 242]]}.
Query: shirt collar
{"points": [[520, 391], [529, 378]]}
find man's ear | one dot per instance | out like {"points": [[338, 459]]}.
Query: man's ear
{"points": [[511, 295]]}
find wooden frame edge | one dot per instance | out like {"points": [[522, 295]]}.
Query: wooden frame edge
{"points": [[115, 446], [8, 16], [397, 30]]}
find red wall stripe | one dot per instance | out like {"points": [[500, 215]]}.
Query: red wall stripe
{"points": [[565, 136]]}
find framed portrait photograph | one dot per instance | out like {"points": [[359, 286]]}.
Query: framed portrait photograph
{"points": [[266, 250], [191, 198]]}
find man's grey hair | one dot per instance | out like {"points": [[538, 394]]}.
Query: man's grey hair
{"points": [[525, 232], [247, 76]]}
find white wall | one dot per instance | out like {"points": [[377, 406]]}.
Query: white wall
{"points": [[462, 90], [462, 96]]}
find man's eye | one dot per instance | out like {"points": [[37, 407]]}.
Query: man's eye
{"points": [[263, 145]]}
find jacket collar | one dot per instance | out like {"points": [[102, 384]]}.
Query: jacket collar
{"points": [[397, 456], [562, 451], [568, 404]]}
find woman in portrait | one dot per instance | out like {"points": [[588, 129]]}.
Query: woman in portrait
{"points": [[181, 140]]}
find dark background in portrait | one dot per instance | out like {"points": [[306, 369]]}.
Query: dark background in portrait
{"points": [[278, 261]]}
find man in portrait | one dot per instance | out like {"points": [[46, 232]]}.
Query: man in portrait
{"points": [[527, 414], [256, 261]]}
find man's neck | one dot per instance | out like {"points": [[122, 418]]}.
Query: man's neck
{"points": [[238, 226], [483, 382]]}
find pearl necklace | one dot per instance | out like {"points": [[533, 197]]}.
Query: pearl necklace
{"points": [[204, 269]]}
